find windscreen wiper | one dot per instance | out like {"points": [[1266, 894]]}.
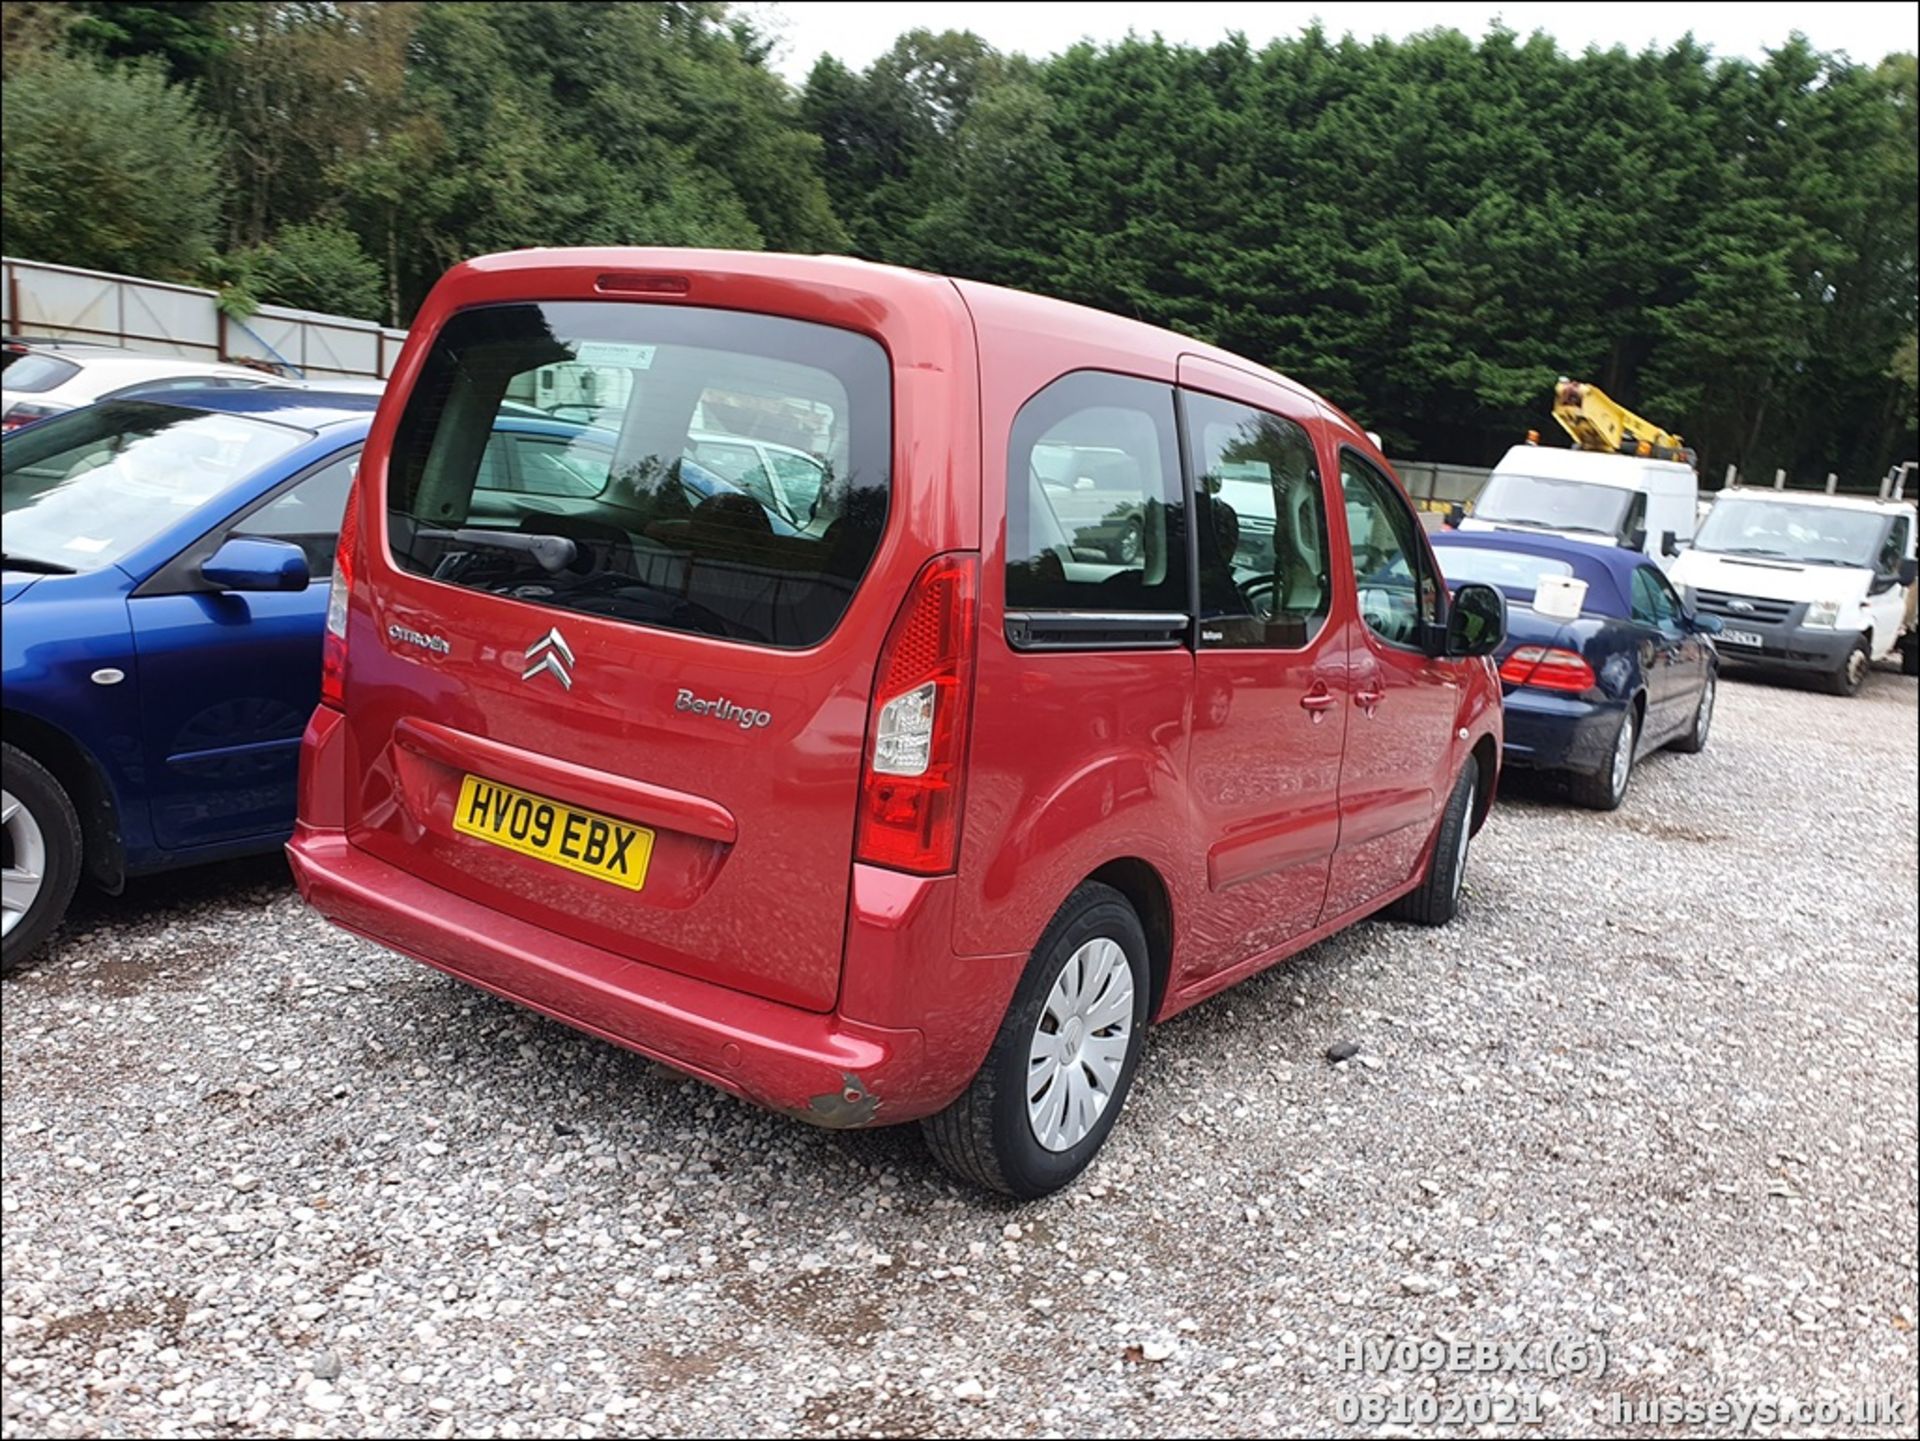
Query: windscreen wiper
{"points": [[34, 564], [552, 553]]}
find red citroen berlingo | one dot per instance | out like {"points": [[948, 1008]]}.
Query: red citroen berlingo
{"points": [[877, 694]]}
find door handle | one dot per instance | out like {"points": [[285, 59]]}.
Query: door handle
{"points": [[1369, 698], [1317, 702]]}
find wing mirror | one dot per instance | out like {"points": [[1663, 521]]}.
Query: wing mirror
{"points": [[1705, 624], [1455, 514], [1476, 621], [1637, 538], [246, 564], [1909, 571], [1669, 543]]}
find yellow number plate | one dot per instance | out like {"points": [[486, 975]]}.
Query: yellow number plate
{"points": [[583, 841]]}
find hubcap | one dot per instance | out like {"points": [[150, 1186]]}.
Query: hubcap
{"points": [[1460, 851], [1705, 718], [1080, 1044], [1623, 756], [1856, 667], [25, 865]]}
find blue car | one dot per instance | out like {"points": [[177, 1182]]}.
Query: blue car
{"points": [[166, 566], [1588, 694], [167, 563]]}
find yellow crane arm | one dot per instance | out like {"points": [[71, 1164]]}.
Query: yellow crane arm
{"points": [[1596, 421]]}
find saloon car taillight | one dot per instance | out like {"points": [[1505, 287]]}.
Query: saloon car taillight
{"points": [[1547, 668]]}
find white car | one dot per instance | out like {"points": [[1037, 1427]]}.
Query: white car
{"points": [[38, 383], [1805, 581]]}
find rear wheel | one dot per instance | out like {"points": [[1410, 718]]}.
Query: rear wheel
{"points": [[1059, 1069], [1695, 740], [1910, 654], [1436, 900], [39, 854], [1852, 673], [1604, 789]]}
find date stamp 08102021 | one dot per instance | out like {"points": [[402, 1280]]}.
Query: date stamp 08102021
{"points": [[1560, 1359]]}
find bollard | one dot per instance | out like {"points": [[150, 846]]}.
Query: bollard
{"points": [[1779, 480], [1733, 478], [1832, 481]]}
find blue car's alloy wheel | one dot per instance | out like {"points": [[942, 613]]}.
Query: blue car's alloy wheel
{"points": [[39, 854]]}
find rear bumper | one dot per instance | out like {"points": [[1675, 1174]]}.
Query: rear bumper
{"points": [[823, 1068], [1791, 647], [1559, 733]]}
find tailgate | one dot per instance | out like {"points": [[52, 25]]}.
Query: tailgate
{"points": [[599, 685]]}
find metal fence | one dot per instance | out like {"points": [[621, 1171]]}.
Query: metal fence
{"points": [[1436, 484], [153, 315]]}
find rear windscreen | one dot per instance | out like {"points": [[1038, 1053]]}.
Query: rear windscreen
{"points": [[711, 471]]}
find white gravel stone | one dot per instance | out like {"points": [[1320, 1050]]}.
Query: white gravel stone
{"points": [[1657, 1082]]}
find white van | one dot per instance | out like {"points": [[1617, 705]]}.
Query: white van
{"points": [[1807, 582], [1645, 505]]}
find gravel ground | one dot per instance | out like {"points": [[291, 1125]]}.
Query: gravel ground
{"points": [[1658, 1084]]}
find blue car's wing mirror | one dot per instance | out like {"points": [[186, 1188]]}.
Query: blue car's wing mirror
{"points": [[243, 563]]}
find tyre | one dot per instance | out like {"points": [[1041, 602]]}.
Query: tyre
{"points": [[39, 854], [1058, 1071], [1604, 789], [1910, 655], [1695, 740], [1852, 673], [1130, 545], [1436, 900]]}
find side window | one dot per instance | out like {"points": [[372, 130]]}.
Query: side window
{"points": [[800, 477], [1666, 601], [1094, 509], [1895, 549], [494, 473], [309, 514], [740, 465], [1261, 514], [1636, 515], [1654, 602], [558, 467], [1398, 594]]}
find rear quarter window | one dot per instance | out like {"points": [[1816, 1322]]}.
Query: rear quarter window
{"points": [[37, 374], [1094, 498], [615, 503]]}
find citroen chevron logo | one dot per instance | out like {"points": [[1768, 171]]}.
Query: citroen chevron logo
{"points": [[550, 653]]}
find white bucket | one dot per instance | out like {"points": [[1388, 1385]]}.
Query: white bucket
{"points": [[1559, 596]]}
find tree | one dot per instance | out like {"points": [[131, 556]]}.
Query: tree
{"points": [[112, 168], [891, 136], [187, 35], [313, 267]]}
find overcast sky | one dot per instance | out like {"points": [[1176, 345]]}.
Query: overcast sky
{"points": [[857, 33]]}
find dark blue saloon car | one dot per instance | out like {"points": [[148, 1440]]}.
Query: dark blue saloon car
{"points": [[1589, 694]]}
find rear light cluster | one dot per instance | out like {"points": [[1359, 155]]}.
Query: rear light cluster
{"points": [[333, 646], [1547, 668], [24, 414], [910, 786]]}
